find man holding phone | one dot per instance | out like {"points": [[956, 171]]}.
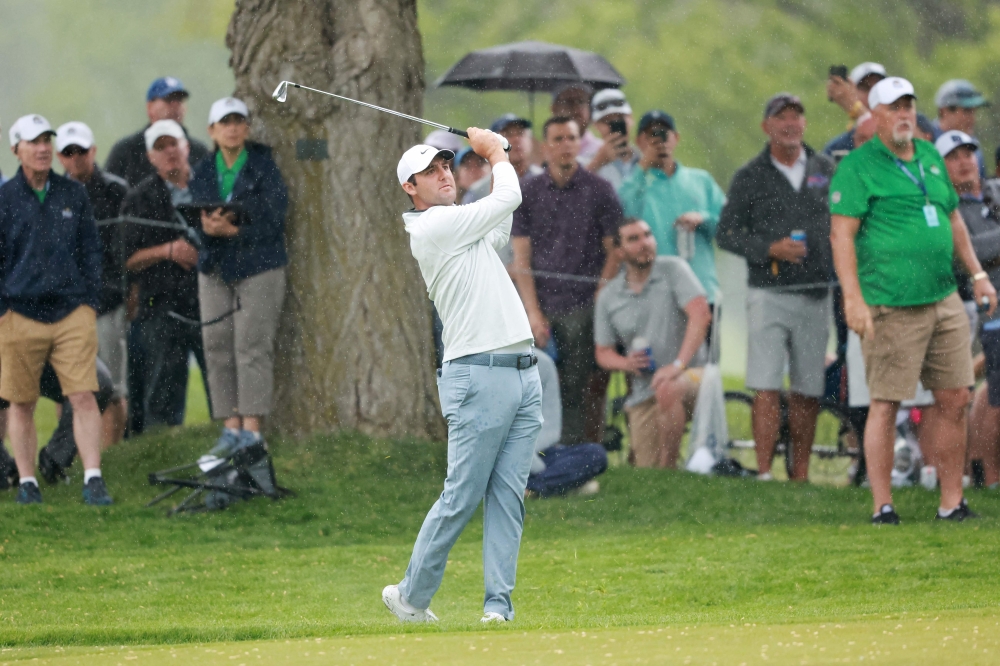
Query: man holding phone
{"points": [[680, 204], [611, 114], [850, 92]]}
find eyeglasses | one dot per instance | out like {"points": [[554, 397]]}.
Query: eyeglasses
{"points": [[660, 133], [73, 151], [608, 104]]}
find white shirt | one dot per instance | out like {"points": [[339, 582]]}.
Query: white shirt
{"points": [[795, 173], [456, 249]]}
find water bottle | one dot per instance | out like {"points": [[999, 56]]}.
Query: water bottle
{"points": [[799, 235], [640, 344], [685, 243]]}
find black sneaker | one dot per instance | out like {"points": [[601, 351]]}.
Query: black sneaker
{"points": [[886, 516], [961, 512], [8, 470], [95, 493], [29, 493]]}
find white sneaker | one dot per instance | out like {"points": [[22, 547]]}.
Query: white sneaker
{"points": [[766, 476], [592, 487], [405, 612], [493, 618]]}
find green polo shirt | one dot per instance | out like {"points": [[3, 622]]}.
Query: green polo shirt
{"points": [[227, 175], [902, 260]]}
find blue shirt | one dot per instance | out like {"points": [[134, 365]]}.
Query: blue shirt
{"points": [[660, 199], [50, 253]]}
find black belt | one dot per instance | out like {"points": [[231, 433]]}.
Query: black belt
{"points": [[519, 361]]}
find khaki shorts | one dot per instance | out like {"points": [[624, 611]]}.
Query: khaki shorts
{"points": [[70, 345], [645, 440], [927, 342]]}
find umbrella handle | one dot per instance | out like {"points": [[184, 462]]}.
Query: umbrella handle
{"points": [[465, 135]]}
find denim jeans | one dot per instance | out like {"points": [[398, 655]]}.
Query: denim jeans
{"points": [[494, 416]]}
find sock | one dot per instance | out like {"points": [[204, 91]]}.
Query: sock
{"points": [[886, 508], [89, 474], [256, 435], [231, 431], [944, 513], [29, 479]]}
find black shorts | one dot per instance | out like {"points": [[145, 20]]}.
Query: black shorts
{"points": [[990, 339]]}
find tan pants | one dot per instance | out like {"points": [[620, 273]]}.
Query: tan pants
{"points": [[645, 425], [69, 344], [239, 349]]}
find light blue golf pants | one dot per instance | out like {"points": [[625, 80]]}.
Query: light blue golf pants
{"points": [[494, 415]]}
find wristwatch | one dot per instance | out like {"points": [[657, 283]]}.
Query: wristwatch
{"points": [[981, 275], [678, 364]]}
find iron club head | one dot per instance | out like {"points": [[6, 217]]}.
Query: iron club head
{"points": [[281, 92]]}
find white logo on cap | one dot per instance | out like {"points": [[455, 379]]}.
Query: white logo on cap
{"points": [[171, 81], [836, 197]]}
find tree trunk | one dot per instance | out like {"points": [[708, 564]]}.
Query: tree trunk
{"points": [[355, 349]]}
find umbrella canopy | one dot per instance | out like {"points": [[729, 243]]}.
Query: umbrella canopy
{"points": [[531, 67]]}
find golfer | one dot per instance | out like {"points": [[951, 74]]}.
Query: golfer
{"points": [[489, 387]]}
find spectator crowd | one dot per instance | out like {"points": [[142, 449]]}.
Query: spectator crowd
{"points": [[891, 232]]}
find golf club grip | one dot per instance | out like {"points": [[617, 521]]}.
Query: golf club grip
{"points": [[464, 134]]}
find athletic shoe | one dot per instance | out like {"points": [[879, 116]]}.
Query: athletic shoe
{"points": [[886, 516], [29, 493], [8, 470], [959, 513], [95, 493], [766, 476], [592, 487], [226, 445], [49, 469], [493, 618], [394, 601]]}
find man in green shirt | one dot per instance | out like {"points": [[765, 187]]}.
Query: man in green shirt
{"points": [[895, 230], [679, 203]]}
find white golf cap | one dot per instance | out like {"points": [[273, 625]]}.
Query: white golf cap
{"points": [[74, 133], [889, 90], [859, 73], [163, 128], [223, 107], [29, 128], [417, 159], [608, 101], [953, 139]]}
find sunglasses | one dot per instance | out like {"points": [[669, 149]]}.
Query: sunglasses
{"points": [[609, 104], [73, 151]]}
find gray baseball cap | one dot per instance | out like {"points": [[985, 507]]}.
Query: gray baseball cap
{"points": [[961, 93]]}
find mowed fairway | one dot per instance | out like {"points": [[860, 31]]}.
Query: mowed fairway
{"points": [[659, 567]]}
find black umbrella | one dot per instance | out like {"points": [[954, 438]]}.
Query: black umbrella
{"points": [[531, 67]]}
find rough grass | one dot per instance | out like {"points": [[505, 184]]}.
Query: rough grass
{"points": [[652, 549]]}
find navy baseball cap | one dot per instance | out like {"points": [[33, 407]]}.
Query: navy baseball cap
{"points": [[780, 102], [656, 118], [164, 86], [508, 119]]}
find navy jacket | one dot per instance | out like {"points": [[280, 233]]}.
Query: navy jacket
{"points": [[260, 244], [50, 253]]}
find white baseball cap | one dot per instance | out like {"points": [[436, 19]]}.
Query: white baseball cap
{"points": [[417, 159], [608, 101], [952, 139], [223, 107], [163, 128], [889, 90], [29, 128], [859, 73], [74, 133]]}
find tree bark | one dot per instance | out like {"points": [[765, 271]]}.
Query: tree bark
{"points": [[354, 348]]}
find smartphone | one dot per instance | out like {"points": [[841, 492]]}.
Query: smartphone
{"points": [[838, 70], [618, 127]]}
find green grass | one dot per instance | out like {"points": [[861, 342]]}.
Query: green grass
{"points": [[652, 549]]}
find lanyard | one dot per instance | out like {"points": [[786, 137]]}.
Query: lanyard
{"points": [[918, 183]]}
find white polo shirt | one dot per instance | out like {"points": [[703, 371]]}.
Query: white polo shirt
{"points": [[456, 249]]}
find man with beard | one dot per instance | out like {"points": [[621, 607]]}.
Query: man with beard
{"points": [[777, 217], [895, 229], [659, 302]]}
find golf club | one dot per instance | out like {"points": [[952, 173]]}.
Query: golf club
{"points": [[281, 94]]}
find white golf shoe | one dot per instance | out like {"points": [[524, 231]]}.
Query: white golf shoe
{"points": [[493, 618], [405, 612]]}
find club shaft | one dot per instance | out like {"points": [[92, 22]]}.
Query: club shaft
{"points": [[384, 110]]}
